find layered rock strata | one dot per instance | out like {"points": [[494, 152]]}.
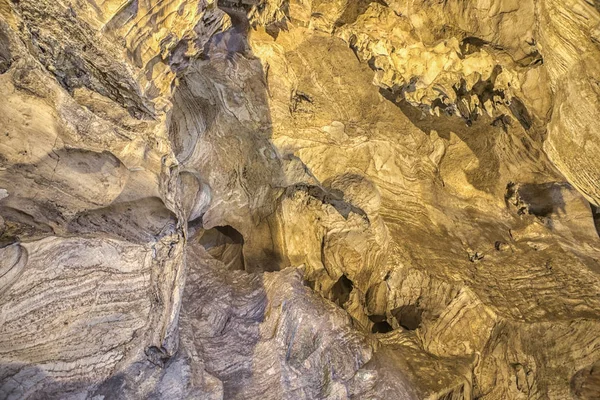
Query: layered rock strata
{"points": [[290, 199]]}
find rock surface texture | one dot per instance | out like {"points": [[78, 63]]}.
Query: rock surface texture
{"points": [[299, 199]]}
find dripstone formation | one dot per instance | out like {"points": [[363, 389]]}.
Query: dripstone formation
{"points": [[299, 199]]}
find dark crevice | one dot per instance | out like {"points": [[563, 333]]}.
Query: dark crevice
{"points": [[471, 44], [377, 318], [158, 356], [310, 283], [532, 59], [301, 103], [518, 110], [381, 327], [340, 292], [380, 324], [231, 233], [332, 198], [409, 316], [502, 122]]}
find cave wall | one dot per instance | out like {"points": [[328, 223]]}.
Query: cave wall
{"points": [[287, 199]]}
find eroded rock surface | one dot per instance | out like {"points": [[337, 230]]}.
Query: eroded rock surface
{"points": [[286, 199]]}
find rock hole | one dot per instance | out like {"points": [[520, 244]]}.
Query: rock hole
{"points": [[381, 327], [471, 44], [340, 292], [409, 316], [380, 324], [517, 108], [503, 122], [157, 355], [309, 283], [225, 244], [301, 102], [541, 200], [377, 318], [231, 233]]}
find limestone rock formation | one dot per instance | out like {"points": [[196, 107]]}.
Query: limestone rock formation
{"points": [[296, 199]]}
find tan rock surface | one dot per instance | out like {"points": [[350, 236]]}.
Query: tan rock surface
{"points": [[289, 199]]}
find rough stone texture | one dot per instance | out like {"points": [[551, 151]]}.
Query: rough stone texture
{"points": [[287, 199]]}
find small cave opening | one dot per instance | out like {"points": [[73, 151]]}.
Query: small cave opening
{"points": [[381, 327], [409, 316], [380, 324], [540, 200], [224, 243], [471, 44], [231, 233], [340, 292]]}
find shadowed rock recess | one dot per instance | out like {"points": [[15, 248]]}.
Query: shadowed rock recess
{"points": [[299, 199]]}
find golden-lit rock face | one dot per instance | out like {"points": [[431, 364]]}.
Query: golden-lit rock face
{"points": [[296, 199]]}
